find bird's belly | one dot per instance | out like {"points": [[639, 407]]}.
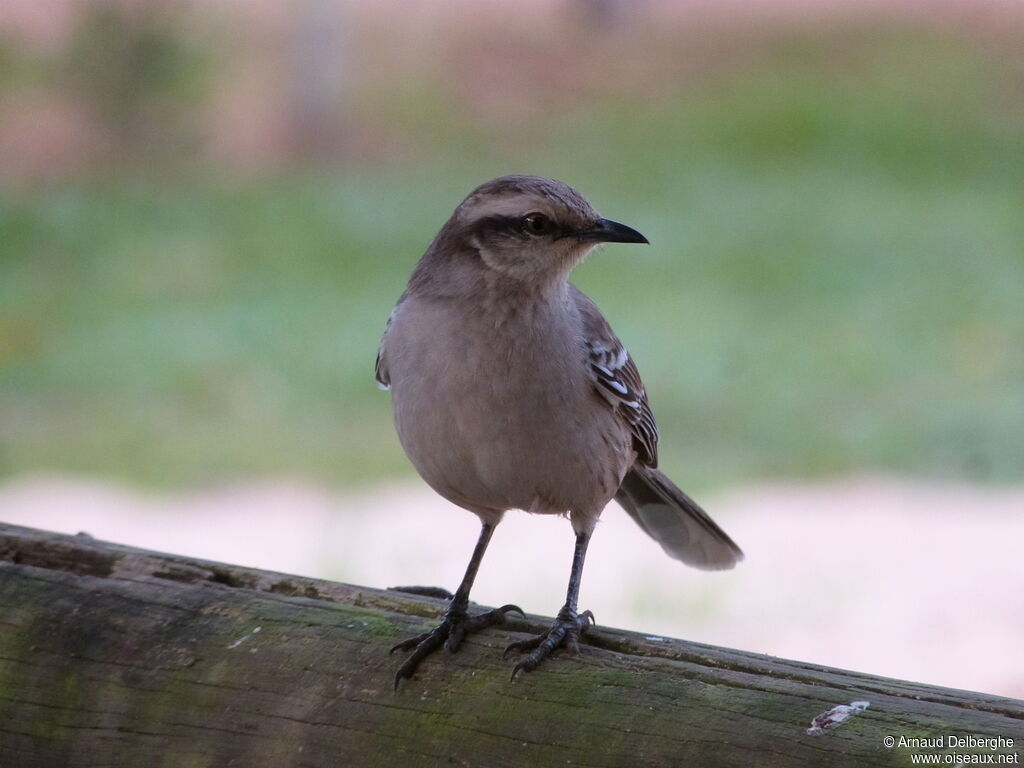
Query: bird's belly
{"points": [[494, 438]]}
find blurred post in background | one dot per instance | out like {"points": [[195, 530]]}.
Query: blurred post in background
{"points": [[208, 209]]}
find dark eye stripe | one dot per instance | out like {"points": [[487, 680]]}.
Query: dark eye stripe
{"points": [[502, 224], [511, 225]]}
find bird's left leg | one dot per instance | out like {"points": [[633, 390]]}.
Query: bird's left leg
{"points": [[568, 625]]}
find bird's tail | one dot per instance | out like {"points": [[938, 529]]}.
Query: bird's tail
{"points": [[670, 517]]}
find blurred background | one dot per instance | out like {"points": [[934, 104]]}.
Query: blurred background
{"points": [[208, 209]]}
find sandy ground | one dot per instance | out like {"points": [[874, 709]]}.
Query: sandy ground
{"points": [[872, 574]]}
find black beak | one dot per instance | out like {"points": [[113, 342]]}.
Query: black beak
{"points": [[608, 231]]}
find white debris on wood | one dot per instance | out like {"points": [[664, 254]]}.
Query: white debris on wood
{"points": [[243, 638], [835, 716]]}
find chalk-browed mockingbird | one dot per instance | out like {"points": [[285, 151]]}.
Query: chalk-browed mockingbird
{"points": [[511, 391]]}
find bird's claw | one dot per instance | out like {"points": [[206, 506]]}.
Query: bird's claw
{"points": [[449, 633], [564, 633]]}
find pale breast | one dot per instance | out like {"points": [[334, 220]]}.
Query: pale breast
{"points": [[506, 418]]}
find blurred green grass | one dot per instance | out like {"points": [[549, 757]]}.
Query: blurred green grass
{"points": [[835, 284]]}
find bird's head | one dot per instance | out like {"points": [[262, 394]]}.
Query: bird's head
{"points": [[531, 228]]}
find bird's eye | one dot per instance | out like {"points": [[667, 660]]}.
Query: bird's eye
{"points": [[536, 224]]}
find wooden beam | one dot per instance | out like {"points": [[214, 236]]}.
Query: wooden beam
{"points": [[114, 656]]}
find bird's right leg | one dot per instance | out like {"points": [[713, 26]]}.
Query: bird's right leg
{"points": [[456, 622]]}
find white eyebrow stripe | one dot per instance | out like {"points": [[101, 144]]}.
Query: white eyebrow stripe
{"points": [[516, 204]]}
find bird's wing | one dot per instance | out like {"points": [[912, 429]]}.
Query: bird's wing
{"points": [[381, 368], [669, 516], [616, 378], [380, 372]]}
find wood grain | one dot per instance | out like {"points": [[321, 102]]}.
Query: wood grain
{"points": [[114, 656]]}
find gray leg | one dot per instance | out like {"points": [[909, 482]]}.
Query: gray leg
{"points": [[456, 623], [568, 625]]}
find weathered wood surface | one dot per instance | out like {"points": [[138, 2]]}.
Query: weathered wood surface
{"points": [[113, 656]]}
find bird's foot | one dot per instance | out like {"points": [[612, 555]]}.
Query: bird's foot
{"points": [[450, 633], [565, 632]]}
